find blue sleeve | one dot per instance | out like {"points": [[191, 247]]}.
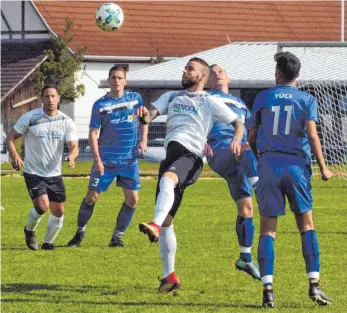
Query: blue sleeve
{"points": [[254, 120], [95, 119], [312, 112]]}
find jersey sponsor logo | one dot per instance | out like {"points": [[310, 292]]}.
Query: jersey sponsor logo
{"points": [[183, 108], [172, 168], [283, 96], [109, 107], [49, 134], [127, 118]]}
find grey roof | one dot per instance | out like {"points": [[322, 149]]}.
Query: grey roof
{"points": [[249, 65], [19, 58]]}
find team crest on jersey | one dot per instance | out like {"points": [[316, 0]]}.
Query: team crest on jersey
{"points": [[130, 118]]}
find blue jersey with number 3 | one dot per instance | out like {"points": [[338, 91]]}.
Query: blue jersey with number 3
{"points": [[117, 121], [281, 114]]}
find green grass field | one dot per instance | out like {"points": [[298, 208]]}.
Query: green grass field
{"points": [[96, 278]]}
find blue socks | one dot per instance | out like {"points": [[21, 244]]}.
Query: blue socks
{"points": [[84, 214], [123, 220], [245, 234], [310, 250], [266, 257]]}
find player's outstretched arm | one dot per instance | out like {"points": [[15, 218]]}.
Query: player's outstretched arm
{"points": [[17, 162], [147, 115], [317, 149], [94, 146], [73, 152]]}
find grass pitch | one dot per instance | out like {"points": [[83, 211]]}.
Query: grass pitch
{"points": [[95, 278]]}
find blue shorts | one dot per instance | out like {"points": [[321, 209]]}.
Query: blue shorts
{"points": [[126, 172], [283, 175], [223, 163]]}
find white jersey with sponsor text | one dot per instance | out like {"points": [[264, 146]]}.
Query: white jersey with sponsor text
{"points": [[44, 138], [190, 117]]}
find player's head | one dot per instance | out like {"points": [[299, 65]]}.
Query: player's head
{"points": [[50, 97], [219, 79], [287, 67], [196, 72], [117, 78]]}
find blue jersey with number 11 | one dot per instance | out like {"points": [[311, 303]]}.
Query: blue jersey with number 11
{"points": [[281, 113]]}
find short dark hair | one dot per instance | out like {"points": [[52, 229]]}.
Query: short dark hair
{"points": [[117, 68], [46, 86], [201, 61], [288, 64]]}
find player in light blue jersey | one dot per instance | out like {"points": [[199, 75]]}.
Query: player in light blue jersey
{"points": [[283, 132], [114, 120], [235, 172]]}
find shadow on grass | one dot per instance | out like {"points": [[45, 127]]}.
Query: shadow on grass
{"points": [[27, 288]]}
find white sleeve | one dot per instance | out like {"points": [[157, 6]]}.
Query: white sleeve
{"points": [[71, 133], [221, 112], [22, 124], [162, 103]]}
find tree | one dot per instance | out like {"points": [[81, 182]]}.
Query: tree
{"points": [[61, 67]]}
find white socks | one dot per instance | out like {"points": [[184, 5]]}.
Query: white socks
{"points": [[165, 200], [168, 247], [54, 226], [33, 219]]}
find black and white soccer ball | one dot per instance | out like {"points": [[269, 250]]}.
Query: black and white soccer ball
{"points": [[109, 17]]}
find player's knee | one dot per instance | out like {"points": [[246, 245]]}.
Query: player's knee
{"points": [[40, 210], [91, 197], [132, 200]]}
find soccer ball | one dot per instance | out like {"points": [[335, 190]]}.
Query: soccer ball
{"points": [[109, 17]]}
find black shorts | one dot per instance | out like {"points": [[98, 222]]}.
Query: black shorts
{"points": [[52, 186], [185, 164]]}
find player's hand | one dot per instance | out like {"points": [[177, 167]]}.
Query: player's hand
{"points": [[326, 174], [244, 147], [17, 162], [208, 150], [235, 148], [142, 147], [99, 167], [143, 114], [71, 161]]}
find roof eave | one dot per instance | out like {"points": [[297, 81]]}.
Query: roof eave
{"points": [[23, 79]]}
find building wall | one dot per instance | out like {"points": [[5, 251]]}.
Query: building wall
{"points": [[12, 26]]}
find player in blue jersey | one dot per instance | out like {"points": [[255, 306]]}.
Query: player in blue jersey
{"points": [[234, 171], [114, 120], [283, 133]]}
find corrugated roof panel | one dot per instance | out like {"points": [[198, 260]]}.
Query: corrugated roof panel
{"points": [[249, 64]]}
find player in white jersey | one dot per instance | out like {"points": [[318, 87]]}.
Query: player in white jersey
{"points": [[45, 130], [190, 116]]}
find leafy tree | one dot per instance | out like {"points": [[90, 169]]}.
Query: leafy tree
{"points": [[61, 67]]}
